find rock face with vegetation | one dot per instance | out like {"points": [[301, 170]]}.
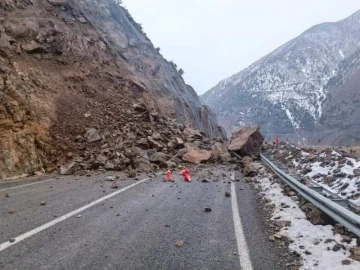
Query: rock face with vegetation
{"points": [[70, 74]]}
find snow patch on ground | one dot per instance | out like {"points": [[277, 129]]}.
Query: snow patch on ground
{"points": [[346, 186], [334, 170], [309, 239]]}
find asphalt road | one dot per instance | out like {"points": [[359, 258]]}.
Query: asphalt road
{"points": [[86, 224]]}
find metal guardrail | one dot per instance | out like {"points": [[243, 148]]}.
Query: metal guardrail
{"points": [[318, 188], [342, 215], [335, 197]]}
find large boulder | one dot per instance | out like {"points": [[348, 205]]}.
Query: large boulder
{"points": [[250, 170], [246, 141], [160, 159], [192, 134], [132, 152], [179, 143], [355, 253], [181, 153], [109, 165], [101, 160], [156, 136], [317, 217], [142, 143], [220, 152], [143, 164], [69, 168], [31, 47], [142, 153], [154, 144], [197, 156], [192, 146], [246, 161], [140, 108], [92, 135]]}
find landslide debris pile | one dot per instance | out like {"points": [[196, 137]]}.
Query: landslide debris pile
{"points": [[73, 67], [145, 142], [336, 170]]}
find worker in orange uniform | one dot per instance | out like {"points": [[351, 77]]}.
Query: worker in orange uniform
{"points": [[277, 141], [186, 173], [169, 175]]}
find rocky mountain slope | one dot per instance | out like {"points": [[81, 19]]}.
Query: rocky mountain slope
{"points": [[67, 67], [307, 88]]}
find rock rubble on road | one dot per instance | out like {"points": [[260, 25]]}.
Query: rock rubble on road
{"points": [[146, 143]]}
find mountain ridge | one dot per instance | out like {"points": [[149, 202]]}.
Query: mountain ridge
{"points": [[292, 82]]}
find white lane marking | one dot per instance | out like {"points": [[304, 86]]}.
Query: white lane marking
{"points": [[22, 237], [243, 249], [26, 185]]}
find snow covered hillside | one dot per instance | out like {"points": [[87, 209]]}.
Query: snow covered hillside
{"points": [[286, 91]]}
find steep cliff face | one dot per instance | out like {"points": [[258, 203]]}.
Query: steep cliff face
{"points": [[172, 96], [294, 91], [70, 65]]}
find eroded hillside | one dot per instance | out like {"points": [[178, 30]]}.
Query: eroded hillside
{"points": [[67, 66]]}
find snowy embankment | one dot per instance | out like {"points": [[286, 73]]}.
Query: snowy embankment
{"points": [[318, 246], [335, 171], [341, 176]]}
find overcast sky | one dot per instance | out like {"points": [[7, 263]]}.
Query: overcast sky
{"points": [[214, 39]]}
